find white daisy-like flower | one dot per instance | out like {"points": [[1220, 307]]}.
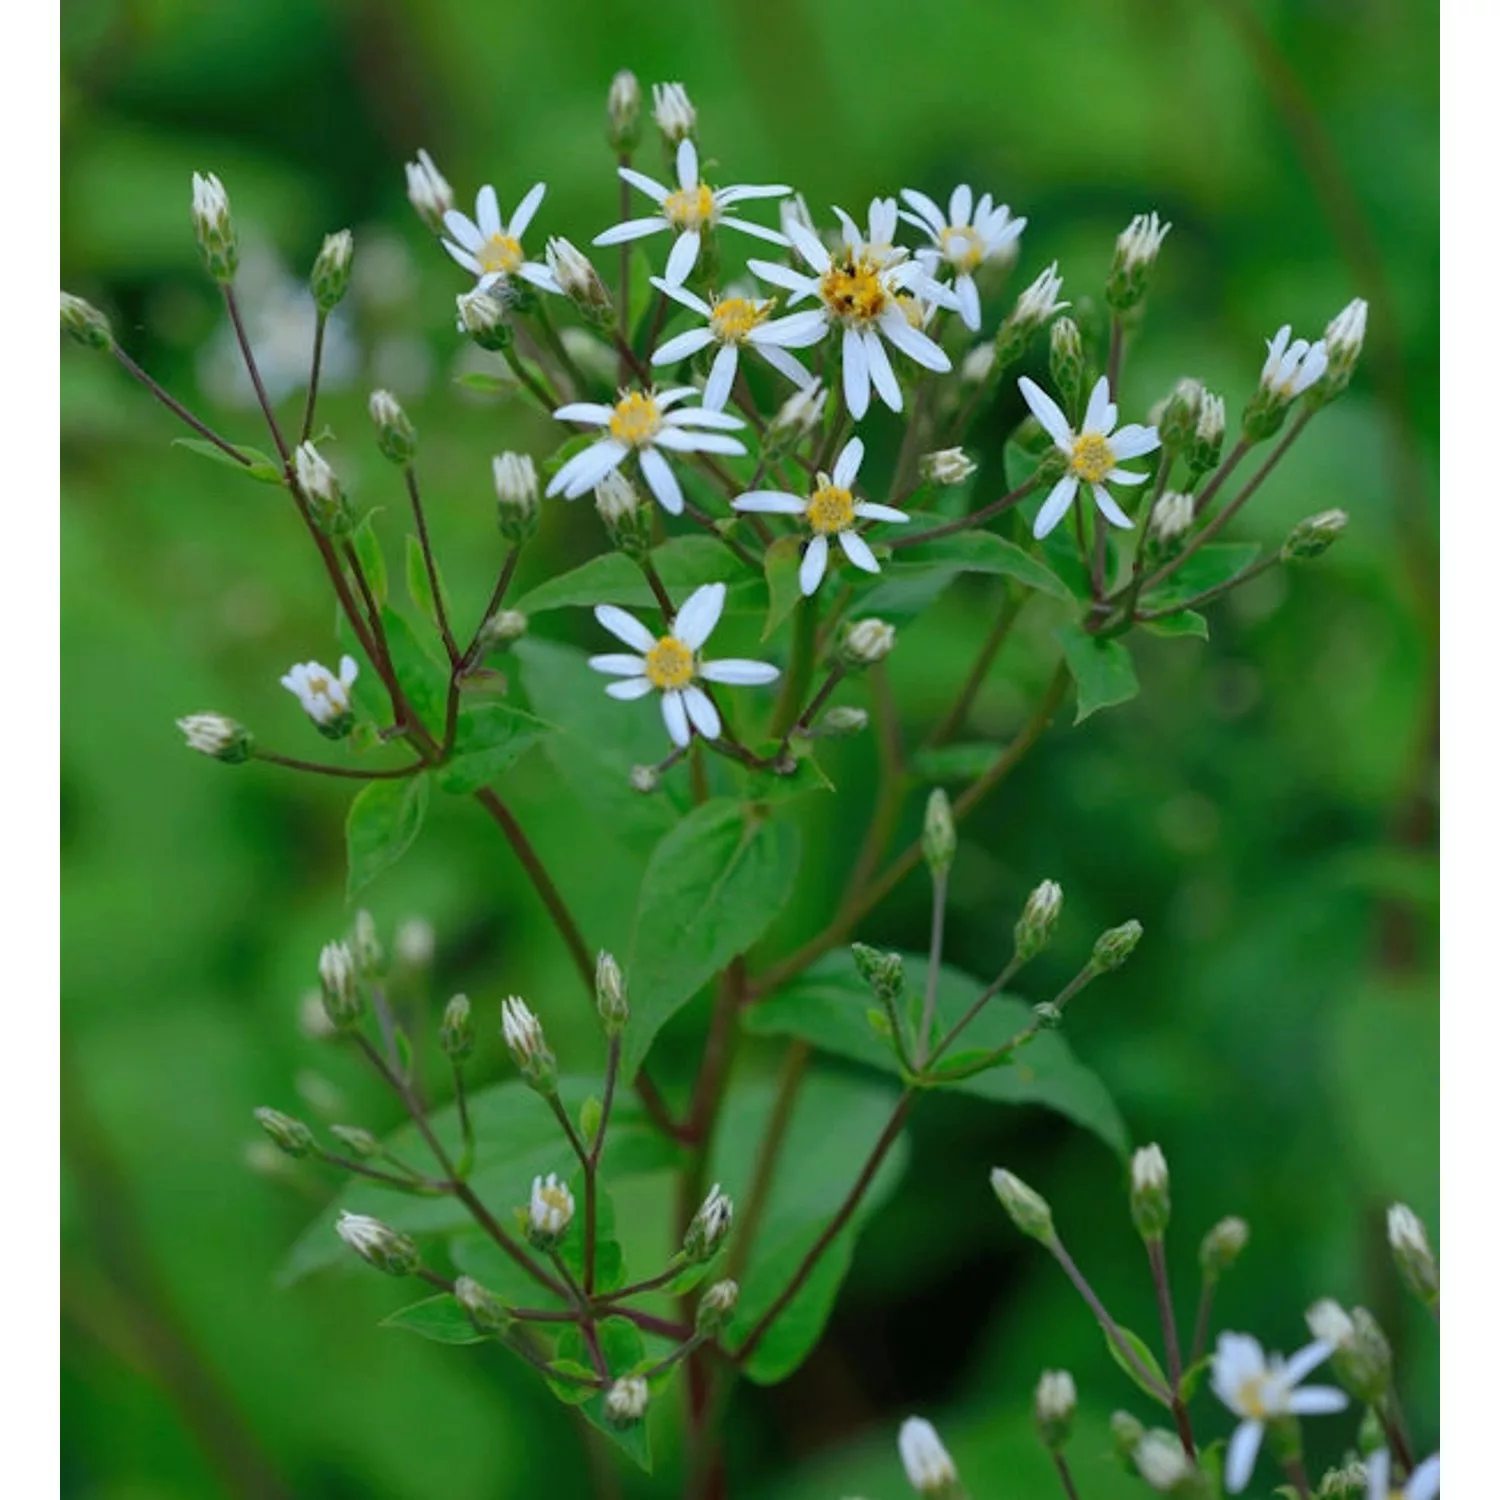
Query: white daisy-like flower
{"points": [[1257, 1391], [863, 290], [689, 210], [671, 665], [323, 696], [830, 511], [964, 238], [1421, 1483], [1292, 365], [491, 248], [1094, 452], [550, 1209], [643, 423], [732, 322]]}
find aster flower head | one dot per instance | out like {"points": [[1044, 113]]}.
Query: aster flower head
{"points": [[1421, 1483], [830, 511], [1094, 452], [1036, 304], [643, 423], [216, 736], [428, 191], [964, 238], [324, 697], [731, 323], [1292, 365], [689, 211], [491, 248], [1258, 1390], [1136, 250], [673, 111], [671, 664], [862, 291], [549, 1211]]}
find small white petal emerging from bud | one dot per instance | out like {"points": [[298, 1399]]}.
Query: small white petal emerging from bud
{"points": [[428, 191], [624, 109], [710, 1224], [214, 227], [609, 993], [929, 1469], [575, 274], [1150, 1185], [516, 494], [801, 412], [1315, 535], [616, 498], [977, 364], [1413, 1254], [1222, 1246], [1140, 241], [85, 322], [715, 1306], [947, 466], [1038, 918], [1161, 1461], [213, 734], [868, 641], [393, 428], [340, 976], [550, 1211], [1345, 336], [378, 1244], [528, 1045], [330, 273], [324, 697], [1173, 517], [1329, 1323], [1040, 300], [673, 111], [321, 487], [626, 1402], [1056, 1401], [1028, 1210]]}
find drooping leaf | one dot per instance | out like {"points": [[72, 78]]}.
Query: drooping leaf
{"points": [[828, 1004], [712, 887], [383, 821], [1206, 568], [491, 738], [1102, 669], [438, 1318], [262, 466]]}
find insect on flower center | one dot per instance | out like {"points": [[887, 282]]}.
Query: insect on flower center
{"points": [[1092, 458], [690, 208], [851, 289], [962, 246], [500, 252], [669, 665], [636, 420], [734, 317], [830, 509]]}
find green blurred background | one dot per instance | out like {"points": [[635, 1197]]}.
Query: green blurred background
{"points": [[1265, 807]]}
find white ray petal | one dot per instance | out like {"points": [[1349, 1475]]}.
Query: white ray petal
{"points": [[624, 626], [796, 331], [783, 276], [684, 255], [684, 296], [662, 480], [463, 229], [703, 715], [617, 664], [674, 716], [631, 229], [628, 688], [584, 470], [929, 210], [520, 221], [585, 411], [968, 301], [1096, 415], [687, 163], [463, 257], [737, 672], [881, 374], [699, 614], [867, 510], [699, 416], [783, 363], [913, 342], [721, 379], [756, 231], [1240, 1460], [857, 550], [814, 565], [846, 465], [808, 246], [1056, 505], [1111, 510], [1133, 440], [1047, 412], [681, 440], [1126, 476], [961, 205], [772, 502], [683, 345], [648, 185], [856, 375]]}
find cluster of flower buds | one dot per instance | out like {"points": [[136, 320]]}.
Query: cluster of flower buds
{"points": [[716, 1306], [486, 319], [626, 520], [947, 466], [1178, 421], [626, 1400], [343, 994], [84, 322], [574, 272], [866, 642], [1054, 1406], [428, 191], [486, 1311], [1034, 307], [1038, 919], [1208, 437], [1171, 521], [1292, 367], [549, 1212], [289, 1135], [1115, 946], [673, 112], [1314, 536]]}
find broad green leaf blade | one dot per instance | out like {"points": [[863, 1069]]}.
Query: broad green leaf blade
{"points": [[1102, 669], [612, 578], [980, 552], [835, 1124], [712, 887], [1143, 1353], [623, 1349], [491, 738], [609, 1262], [383, 821], [261, 467], [783, 560], [419, 582], [1206, 568], [371, 557], [438, 1318], [1187, 623], [516, 1139], [827, 1006], [423, 679]]}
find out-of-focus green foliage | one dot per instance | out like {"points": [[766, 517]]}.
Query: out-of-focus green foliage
{"points": [[1264, 806]]}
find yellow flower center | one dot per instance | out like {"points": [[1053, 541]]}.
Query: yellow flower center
{"points": [[830, 509], [501, 252], [851, 289], [669, 664], [690, 208], [734, 317], [556, 1198], [1092, 459], [962, 247], [1252, 1399], [636, 420]]}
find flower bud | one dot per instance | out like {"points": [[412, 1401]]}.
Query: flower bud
{"points": [[216, 736], [673, 112], [929, 1469], [289, 1135], [609, 993], [1344, 338], [575, 274], [515, 496], [1033, 308], [841, 723], [1172, 519], [939, 836], [1135, 253], [379, 1244], [528, 1046], [486, 1311], [1056, 1401], [627, 521], [644, 779], [1222, 1245], [978, 364], [867, 642], [1348, 1483], [1066, 362], [415, 943], [324, 495], [484, 318], [1160, 1461], [324, 695], [456, 1033], [716, 1305], [1127, 1432], [1038, 919], [549, 1212], [710, 1224], [83, 321], [1208, 436], [1179, 418], [947, 466], [343, 998], [1028, 1210], [1115, 946], [883, 972], [1292, 366], [1361, 1353], [369, 956], [1150, 1198], [624, 109], [330, 273], [798, 416], [393, 430], [1414, 1257], [354, 1138], [1314, 536], [502, 627], [214, 227], [428, 191], [626, 1402]]}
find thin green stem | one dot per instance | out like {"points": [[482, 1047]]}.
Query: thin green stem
{"points": [[1207, 596], [591, 1167], [434, 582], [1107, 1323], [539, 393], [1064, 1474], [1005, 976], [793, 1067], [351, 773], [1200, 1323], [1156, 1253], [311, 406], [176, 407], [934, 961], [968, 522]]}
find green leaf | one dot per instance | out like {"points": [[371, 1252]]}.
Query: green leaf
{"points": [[712, 887], [623, 1349], [827, 1006], [491, 738], [438, 1318], [835, 1124], [1147, 1358], [419, 583], [422, 678], [371, 557], [1188, 623], [261, 467], [609, 1259], [516, 1138], [1192, 1377], [683, 564], [569, 1392], [1102, 669], [914, 577], [383, 821], [954, 762], [783, 561], [1206, 568], [767, 787], [485, 381]]}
